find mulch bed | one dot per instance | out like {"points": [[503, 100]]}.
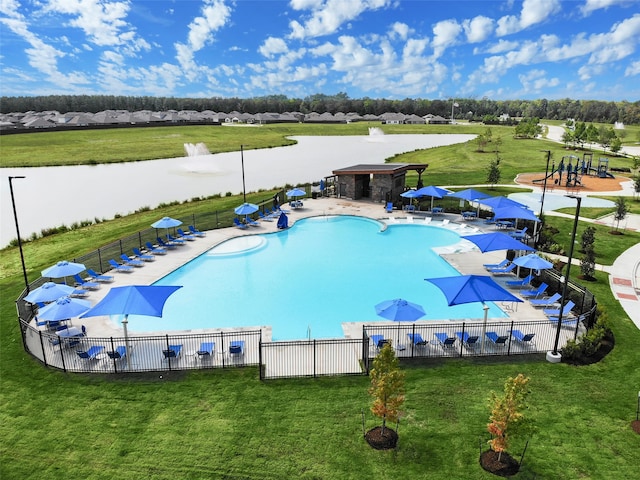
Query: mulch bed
{"points": [[505, 467], [607, 344], [636, 426], [380, 441]]}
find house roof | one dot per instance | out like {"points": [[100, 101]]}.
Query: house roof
{"points": [[380, 169]]}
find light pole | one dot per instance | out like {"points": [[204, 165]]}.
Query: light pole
{"points": [[553, 356], [244, 191], [544, 191], [15, 217], [454, 104]]}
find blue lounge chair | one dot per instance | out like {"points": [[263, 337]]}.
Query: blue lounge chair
{"points": [[196, 232], [143, 256], [417, 339], [498, 340], [81, 282], [99, 277], [92, 353], [120, 268], [174, 351], [522, 338], [469, 341], [174, 240], [519, 234], [379, 341], [239, 224], [502, 271], [155, 250], [555, 312], [437, 211], [119, 353], [534, 293], [444, 340], [490, 220], [264, 217], [206, 349], [546, 302], [131, 261], [187, 236], [522, 282], [389, 207], [236, 348], [166, 245], [502, 264], [251, 222]]}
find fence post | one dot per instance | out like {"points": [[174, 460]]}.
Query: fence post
{"points": [[314, 358], [44, 353], [510, 339], [261, 373]]}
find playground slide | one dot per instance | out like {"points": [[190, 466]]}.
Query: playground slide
{"points": [[606, 175], [540, 180]]}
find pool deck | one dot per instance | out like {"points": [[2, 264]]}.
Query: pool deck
{"points": [[463, 256]]}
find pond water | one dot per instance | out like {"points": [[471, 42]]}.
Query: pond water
{"points": [[52, 196]]}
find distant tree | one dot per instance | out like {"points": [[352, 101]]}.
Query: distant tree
{"points": [[580, 133], [481, 142], [497, 143], [616, 145], [620, 211], [567, 137], [387, 386], [605, 136], [588, 237], [493, 172], [507, 417], [636, 186], [588, 263], [591, 133]]}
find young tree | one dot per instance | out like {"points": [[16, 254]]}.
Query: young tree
{"points": [[507, 417], [621, 211], [493, 172], [387, 386], [588, 238], [636, 185], [481, 142], [588, 263]]}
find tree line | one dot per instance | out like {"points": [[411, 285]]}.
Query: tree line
{"points": [[468, 109]]}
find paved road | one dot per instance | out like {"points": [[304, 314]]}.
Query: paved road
{"points": [[555, 133]]}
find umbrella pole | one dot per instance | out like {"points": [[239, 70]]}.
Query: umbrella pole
{"points": [[125, 322], [484, 325]]}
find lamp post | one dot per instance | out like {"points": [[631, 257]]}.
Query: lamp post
{"points": [[15, 217], [454, 104], [554, 356], [544, 191], [244, 191]]}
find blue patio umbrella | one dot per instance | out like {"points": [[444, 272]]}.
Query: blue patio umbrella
{"points": [[470, 195], [133, 300], [433, 192], [246, 209], [63, 269], [500, 202], [473, 288], [48, 292], [515, 213], [63, 308], [166, 222], [489, 242], [400, 310], [532, 261], [296, 192]]}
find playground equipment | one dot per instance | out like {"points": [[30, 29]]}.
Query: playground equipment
{"points": [[572, 169], [601, 170]]}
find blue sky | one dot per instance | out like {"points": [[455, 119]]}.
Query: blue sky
{"points": [[395, 49]]}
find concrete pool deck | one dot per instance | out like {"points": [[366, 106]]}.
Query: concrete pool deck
{"points": [[462, 256]]}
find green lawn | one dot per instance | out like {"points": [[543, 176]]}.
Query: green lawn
{"points": [[228, 424]]}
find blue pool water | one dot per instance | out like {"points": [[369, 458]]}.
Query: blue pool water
{"points": [[311, 278]]}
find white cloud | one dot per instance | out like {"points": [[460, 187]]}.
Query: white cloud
{"points": [[536, 81], [445, 34], [478, 29], [215, 15], [400, 30], [532, 13], [499, 47], [328, 16], [633, 69], [273, 46], [591, 6]]}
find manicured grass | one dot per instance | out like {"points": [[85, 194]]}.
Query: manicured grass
{"points": [[228, 424]]}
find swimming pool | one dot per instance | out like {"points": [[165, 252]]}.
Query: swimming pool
{"points": [[310, 279]]}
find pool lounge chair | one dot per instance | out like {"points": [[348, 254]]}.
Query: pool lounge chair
{"points": [[437, 211], [99, 277], [389, 207], [264, 217], [546, 302], [174, 240], [523, 338], [469, 341], [92, 353], [503, 271], [502, 264], [534, 293], [119, 353], [85, 284], [120, 268], [142, 256], [206, 350], [196, 232], [498, 340], [173, 351], [239, 224], [379, 341], [155, 250], [236, 348], [555, 312], [131, 261], [187, 236], [444, 340], [251, 222], [519, 234], [417, 339], [522, 282]]}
